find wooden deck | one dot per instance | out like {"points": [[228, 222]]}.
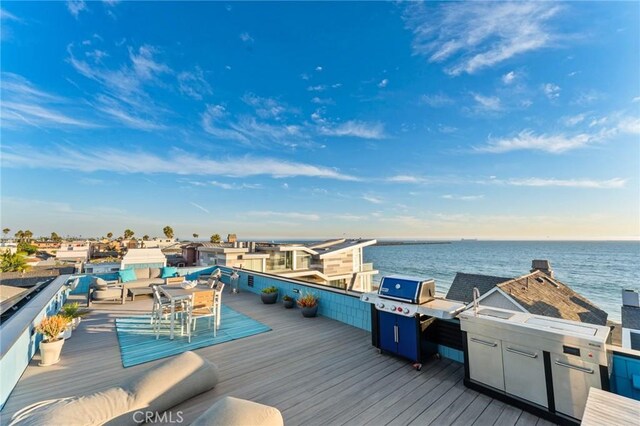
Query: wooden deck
{"points": [[316, 371]]}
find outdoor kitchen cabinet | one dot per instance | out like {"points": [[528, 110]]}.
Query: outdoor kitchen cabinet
{"points": [[485, 360], [524, 375], [399, 335]]}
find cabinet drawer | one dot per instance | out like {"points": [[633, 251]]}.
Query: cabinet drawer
{"points": [[524, 373], [485, 360]]}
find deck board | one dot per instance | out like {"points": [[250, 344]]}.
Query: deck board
{"points": [[315, 371]]}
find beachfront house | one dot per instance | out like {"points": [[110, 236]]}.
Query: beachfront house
{"points": [[537, 292], [337, 263]]}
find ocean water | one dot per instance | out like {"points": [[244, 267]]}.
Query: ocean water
{"points": [[597, 270]]}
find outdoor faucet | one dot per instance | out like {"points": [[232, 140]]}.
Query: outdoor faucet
{"points": [[476, 296]]}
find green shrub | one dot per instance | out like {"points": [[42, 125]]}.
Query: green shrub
{"points": [[269, 290]]}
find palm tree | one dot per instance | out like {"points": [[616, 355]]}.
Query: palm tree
{"points": [[109, 235], [19, 235], [12, 262], [195, 235], [28, 235], [55, 237], [128, 233], [168, 231], [5, 231], [145, 238], [215, 238]]}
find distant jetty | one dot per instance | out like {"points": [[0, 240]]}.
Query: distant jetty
{"points": [[409, 243]]}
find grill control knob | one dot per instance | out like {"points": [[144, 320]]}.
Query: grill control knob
{"points": [[380, 305], [400, 308], [393, 308], [406, 310], [366, 298]]}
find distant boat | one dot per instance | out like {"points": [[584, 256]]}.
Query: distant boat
{"points": [[468, 239]]}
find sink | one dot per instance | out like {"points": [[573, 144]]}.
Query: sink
{"points": [[496, 314]]}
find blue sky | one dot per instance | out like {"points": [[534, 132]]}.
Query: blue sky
{"points": [[411, 120]]}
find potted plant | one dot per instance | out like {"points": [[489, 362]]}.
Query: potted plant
{"points": [[269, 295], [51, 345], [288, 301], [73, 313], [308, 303]]}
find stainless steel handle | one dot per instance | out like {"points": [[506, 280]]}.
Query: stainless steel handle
{"points": [[575, 367], [482, 342], [527, 354], [395, 333]]}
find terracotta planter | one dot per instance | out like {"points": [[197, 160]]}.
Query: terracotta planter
{"points": [[310, 312], [288, 303], [50, 352], [269, 298]]}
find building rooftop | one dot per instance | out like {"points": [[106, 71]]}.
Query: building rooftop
{"points": [[540, 294], [316, 372], [462, 287]]}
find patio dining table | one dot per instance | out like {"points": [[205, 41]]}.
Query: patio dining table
{"points": [[177, 294]]}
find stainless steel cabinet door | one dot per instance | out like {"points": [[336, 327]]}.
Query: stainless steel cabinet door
{"points": [[524, 373], [485, 360], [572, 379]]}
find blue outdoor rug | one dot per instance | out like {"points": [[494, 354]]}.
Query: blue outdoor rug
{"points": [[138, 342]]}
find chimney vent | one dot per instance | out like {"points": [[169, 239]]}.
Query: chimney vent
{"points": [[543, 266], [630, 298]]}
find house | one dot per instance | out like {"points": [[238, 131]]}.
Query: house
{"points": [[630, 319], [74, 252], [143, 258], [190, 253], [8, 247], [537, 292], [336, 263]]}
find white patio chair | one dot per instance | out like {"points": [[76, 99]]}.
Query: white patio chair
{"points": [[162, 310]]}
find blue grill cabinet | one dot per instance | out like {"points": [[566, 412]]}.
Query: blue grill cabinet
{"points": [[394, 329]]}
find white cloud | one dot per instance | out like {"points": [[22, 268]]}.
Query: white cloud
{"points": [[372, 199], [527, 140], [336, 85], [405, 179], [173, 161], [235, 186], [470, 36], [354, 128], [629, 125], [318, 88], [570, 183], [123, 95], [551, 91], [509, 77], [198, 206], [322, 101], [318, 68], [636, 99], [436, 100], [23, 103], [463, 197], [487, 103], [286, 215], [574, 120], [249, 131], [265, 107], [75, 7], [245, 37], [383, 83], [7, 16], [193, 84]]}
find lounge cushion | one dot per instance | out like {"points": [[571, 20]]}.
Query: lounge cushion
{"points": [[112, 293], [100, 283], [168, 272], [144, 283], [155, 272], [156, 390], [230, 411], [127, 275], [142, 273]]}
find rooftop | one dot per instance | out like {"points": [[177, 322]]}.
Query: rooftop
{"points": [[315, 371]]}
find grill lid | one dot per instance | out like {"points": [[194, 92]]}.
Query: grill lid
{"points": [[407, 289]]}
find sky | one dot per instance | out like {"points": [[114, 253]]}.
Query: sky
{"points": [[316, 120]]}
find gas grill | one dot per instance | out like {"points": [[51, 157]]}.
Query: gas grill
{"points": [[401, 311]]}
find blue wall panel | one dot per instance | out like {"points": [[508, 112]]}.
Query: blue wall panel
{"points": [[625, 367]]}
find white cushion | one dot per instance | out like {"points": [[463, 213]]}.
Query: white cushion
{"points": [[156, 390], [230, 411]]}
